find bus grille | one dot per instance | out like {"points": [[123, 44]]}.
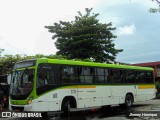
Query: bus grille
{"points": [[15, 108]]}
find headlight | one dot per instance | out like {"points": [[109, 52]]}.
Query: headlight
{"points": [[30, 100]]}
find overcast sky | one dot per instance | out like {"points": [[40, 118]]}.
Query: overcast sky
{"points": [[22, 25]]}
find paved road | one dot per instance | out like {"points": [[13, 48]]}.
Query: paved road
{"points": [[115, 113]]}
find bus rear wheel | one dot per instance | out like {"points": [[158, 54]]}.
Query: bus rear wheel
{"points": [[128, 101]]}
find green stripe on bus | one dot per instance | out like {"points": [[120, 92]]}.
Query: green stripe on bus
{"points": [[91, 64]]}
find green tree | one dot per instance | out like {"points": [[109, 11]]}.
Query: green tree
{"points": [[85, 38], [7, 62]]}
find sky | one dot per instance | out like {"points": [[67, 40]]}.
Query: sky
{"points": [[22, 25]]}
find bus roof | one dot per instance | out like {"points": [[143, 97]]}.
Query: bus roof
{"points": [[91, 64]]}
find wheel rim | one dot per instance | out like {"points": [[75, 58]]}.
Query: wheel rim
{"points": [[129, 102]]}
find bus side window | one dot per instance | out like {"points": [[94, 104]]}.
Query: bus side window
{"points": [[80, 75], [100, 75], [50, 77], [65, 74], [41, 78], [106, 76], [117, 76], [45, 78], [130, 76], [110, 76], [149, 77], [68, 74], [141, 76], [87, 75], [45, 75]]}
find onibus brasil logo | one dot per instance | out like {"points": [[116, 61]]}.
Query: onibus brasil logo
{"points": [[155, 10]]}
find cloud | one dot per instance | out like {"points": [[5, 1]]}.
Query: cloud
{"points": [[10, 49], [22, 25], [22, 22], [47, 47], [137, 29], [140, 57], [126, 30]]}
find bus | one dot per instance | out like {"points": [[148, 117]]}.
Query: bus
{"points": [[154, 65], [45, 85]]}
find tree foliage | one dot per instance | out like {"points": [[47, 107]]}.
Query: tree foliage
{"points": [[85, 38], [7, 61]]}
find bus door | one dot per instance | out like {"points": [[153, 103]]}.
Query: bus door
{"points": [[46, 83]]}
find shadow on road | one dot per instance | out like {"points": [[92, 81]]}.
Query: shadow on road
{"points": [[103, 113]]}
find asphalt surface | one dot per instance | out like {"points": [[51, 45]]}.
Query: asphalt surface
{"points": [[114, 113]]}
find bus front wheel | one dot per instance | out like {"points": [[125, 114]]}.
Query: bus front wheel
{"points": [[66, 108]]}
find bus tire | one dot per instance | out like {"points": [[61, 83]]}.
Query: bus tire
{"points": [[66, 108], [128, 101]]}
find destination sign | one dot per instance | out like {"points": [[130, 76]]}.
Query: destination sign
{"points": [[24, 64]]}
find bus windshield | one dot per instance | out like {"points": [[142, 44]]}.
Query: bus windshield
{"points": [[22, 82]]}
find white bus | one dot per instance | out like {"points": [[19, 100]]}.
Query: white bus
{"points": [[45, 85]]}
